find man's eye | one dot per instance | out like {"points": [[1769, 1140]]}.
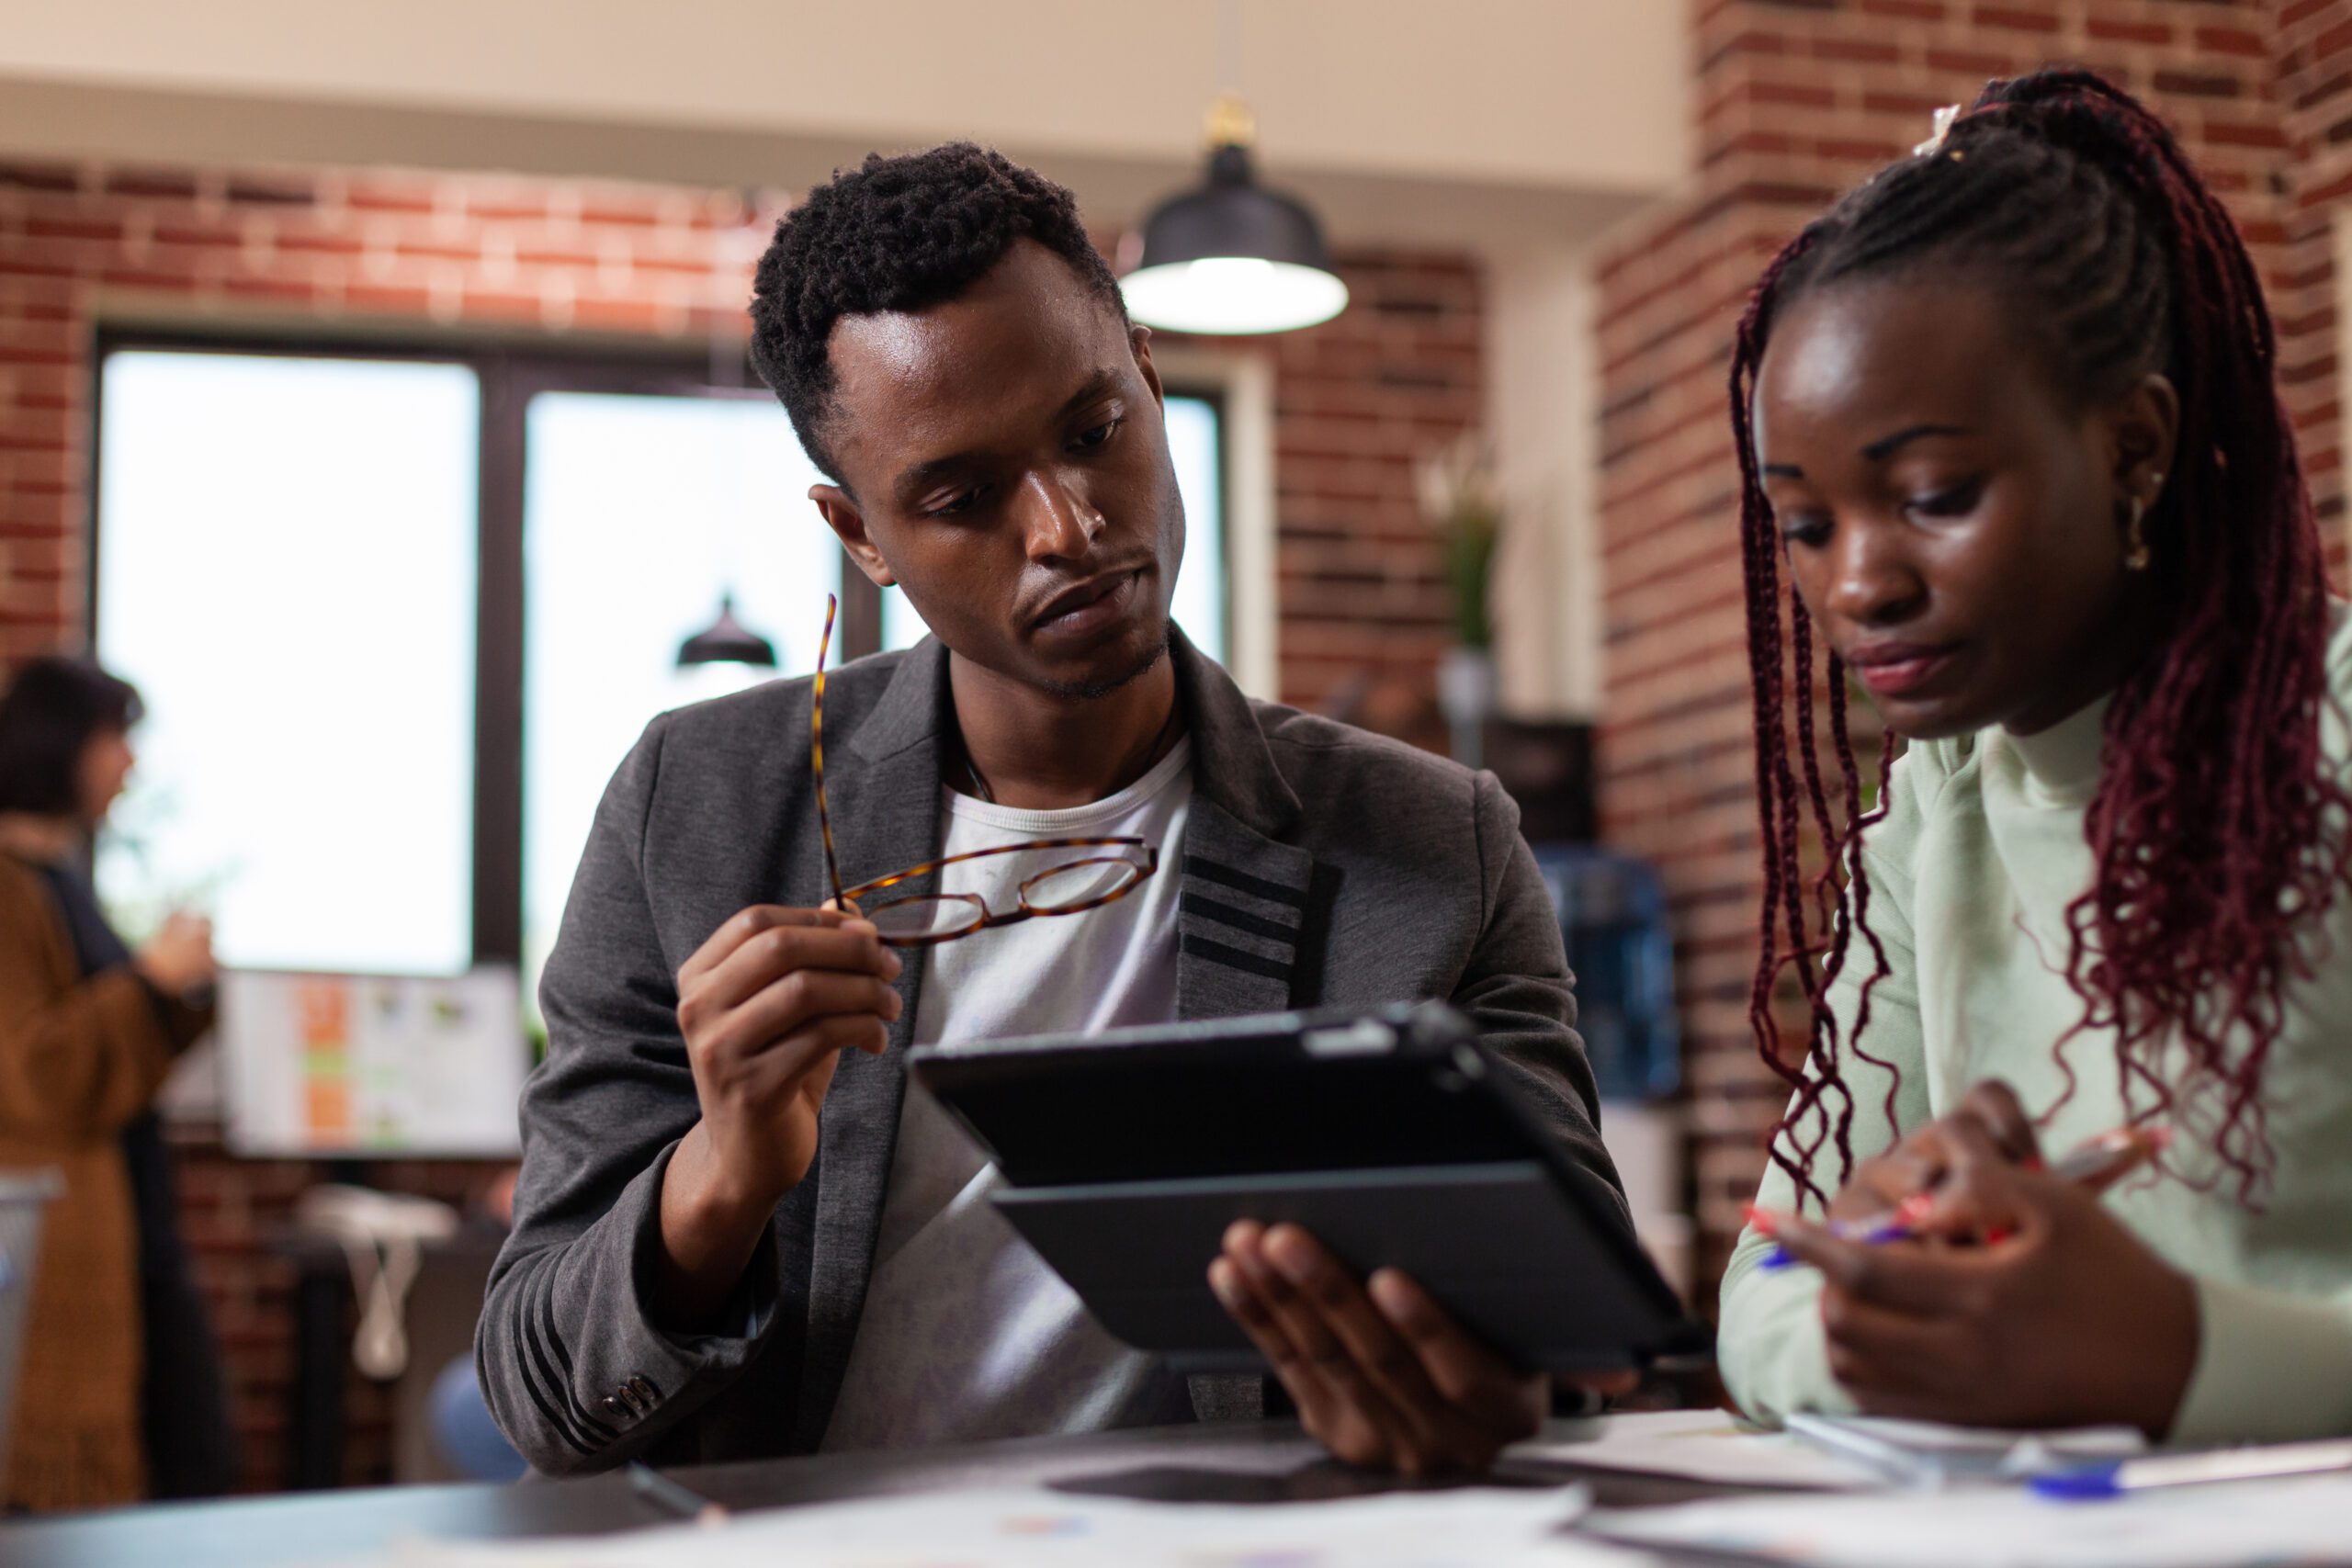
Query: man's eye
{"points": [[962, 501], [1100, 433]]}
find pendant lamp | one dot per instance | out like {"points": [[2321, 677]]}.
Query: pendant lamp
{"points": [[726, 641], [1231, 256]]}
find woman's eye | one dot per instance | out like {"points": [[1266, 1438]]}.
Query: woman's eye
{"points": [[1954, 501], [1804, 528], [1100, 433]]}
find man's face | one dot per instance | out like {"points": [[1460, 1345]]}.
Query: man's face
{"points": [[1004, 462]]}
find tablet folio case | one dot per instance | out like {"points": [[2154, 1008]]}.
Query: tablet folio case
{"points": [[1392, 1136]]}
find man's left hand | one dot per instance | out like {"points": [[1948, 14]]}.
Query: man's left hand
{"points": [[1381, 1376]]}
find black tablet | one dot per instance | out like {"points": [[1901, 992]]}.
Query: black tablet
{"points": [[1392, 1134]]}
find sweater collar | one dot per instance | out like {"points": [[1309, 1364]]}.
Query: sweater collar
{"points": [[2061, 763]]}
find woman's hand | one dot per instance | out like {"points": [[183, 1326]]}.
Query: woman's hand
{"points": [[178, 958], [1381, 1376], [1912, 1178], [2023, 1303]]}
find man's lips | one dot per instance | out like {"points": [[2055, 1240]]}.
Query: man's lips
{"points": [[1892, 670], [1069, 607]]}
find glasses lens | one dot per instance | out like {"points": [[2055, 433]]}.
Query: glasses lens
{"points": [[1081, 885], [914, 918]]}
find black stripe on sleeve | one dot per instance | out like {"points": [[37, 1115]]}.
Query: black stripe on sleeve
{"points": [[532, 1358]]}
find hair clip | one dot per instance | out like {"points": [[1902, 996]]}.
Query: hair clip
{"points": [[1945, 117]]}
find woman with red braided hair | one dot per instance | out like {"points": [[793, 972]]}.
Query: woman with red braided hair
{"points": [[2007, 421]]}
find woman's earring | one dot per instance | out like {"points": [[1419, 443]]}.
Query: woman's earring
{"points": [[2135, 551]]}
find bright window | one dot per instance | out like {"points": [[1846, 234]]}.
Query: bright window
{"points": [[638, 512], [286, 570]]}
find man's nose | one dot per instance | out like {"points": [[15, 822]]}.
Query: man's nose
{"points": [[1060, 524]]}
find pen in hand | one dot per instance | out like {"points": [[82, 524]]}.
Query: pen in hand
{"points": [[2096, 1165]]}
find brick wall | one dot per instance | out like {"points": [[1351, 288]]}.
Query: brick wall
{"points": [[1362, 608], [2312, 42], [1797, 100]]}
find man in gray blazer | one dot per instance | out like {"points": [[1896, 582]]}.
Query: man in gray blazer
{"points": [[735, 1233]]}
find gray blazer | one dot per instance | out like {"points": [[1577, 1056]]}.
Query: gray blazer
{"points": [[1320, 865]]}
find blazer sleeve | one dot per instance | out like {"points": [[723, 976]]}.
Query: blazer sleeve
{"points": [[1516, 989], [79, 1058], [572, 1362]]}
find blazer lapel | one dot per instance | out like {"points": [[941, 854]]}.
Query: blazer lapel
{"points": [[882, 786], [1240, 919], [1243, 917]]}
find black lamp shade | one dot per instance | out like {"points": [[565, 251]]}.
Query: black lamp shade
{"points": [[726, 641], [1232, 256]]}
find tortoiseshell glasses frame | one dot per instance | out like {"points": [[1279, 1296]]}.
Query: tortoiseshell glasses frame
{"points": [[948, 916]]}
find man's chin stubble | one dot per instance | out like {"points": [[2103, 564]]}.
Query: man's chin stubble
{"points": [[1090, 690]]}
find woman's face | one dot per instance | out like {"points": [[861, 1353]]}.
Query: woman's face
{"points": [[1956, 528], [107, 759]]}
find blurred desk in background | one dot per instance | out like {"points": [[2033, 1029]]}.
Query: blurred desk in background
{"points": [[443, 1305]]}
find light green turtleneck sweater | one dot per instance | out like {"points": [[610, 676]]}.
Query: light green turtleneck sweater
{"points": [[1972, 870]]}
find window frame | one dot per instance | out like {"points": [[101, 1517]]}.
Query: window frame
{"points": [[509, 375]]}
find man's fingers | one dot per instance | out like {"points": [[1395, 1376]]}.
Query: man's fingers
{"points": [[1377, 1355], [850, 948], [792, 1060], [1233, 1277], [1324, 1357], [787, 1003], [1460, 1370], [740, 927]]}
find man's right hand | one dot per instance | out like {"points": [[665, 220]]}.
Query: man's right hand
{"points": [[766, 1007]]}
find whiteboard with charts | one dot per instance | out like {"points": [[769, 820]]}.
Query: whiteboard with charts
{"points": [[364, 1065]]}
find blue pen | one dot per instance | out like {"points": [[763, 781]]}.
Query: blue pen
{"points": [[2097, 1164], [2127, 1476]]}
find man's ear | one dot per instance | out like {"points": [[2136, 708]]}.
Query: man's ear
{"points": [[1139, 339], [848, 524]]}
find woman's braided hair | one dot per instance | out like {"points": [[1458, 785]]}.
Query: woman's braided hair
{"points": [[2212, 808]]}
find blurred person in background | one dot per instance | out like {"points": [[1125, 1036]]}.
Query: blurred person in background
{"points": [[119, 1396]]}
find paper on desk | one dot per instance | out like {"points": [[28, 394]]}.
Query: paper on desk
{"points": [[2192, 1526], [1036, 1528], [1701, 1445]]}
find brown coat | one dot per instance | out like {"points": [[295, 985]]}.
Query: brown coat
{"points": [[79, 1059]]}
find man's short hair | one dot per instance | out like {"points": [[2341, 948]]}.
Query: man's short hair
{"points": [[898, 234]]}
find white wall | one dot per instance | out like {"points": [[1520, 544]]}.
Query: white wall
{"points": [[1543, 401], [1406, 120]]}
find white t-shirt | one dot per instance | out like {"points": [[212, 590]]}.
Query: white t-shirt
{"points": [[966, 1334]]}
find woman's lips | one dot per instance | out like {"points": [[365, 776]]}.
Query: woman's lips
{"points": [[1905, 672]]}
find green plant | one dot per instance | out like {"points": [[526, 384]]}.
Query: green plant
{"points": [[1461, 502]]}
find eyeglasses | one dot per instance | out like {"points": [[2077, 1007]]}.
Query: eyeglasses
{"points": [[1066, 887]]}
